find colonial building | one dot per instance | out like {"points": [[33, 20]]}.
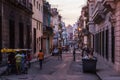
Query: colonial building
{"points": [[37, 25], [83, 29], [105, 19], [47, 29], [15, 24], [55, 24]]}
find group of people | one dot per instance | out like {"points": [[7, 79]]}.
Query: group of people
{"points": [[18, 62], [86, 52]]}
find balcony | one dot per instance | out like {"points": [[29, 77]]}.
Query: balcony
{"points": [[98, 13], [47, 31], [91, 27], [23, 4], [109, 4]]}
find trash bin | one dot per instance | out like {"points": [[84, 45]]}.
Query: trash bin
{"points": [[89, 65]]}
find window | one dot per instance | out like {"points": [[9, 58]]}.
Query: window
{"points": [[37, 40], [37, 4], [37, 24], [41, 9], [34, 2]]}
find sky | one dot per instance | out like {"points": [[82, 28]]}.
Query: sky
{"points": [[70, 10]]}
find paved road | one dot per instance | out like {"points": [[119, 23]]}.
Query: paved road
{"points": [[54, 69]]}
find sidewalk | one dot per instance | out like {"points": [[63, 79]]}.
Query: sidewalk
{"points": [[2, 69], [106, 72]]}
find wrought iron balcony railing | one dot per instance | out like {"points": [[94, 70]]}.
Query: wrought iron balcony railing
{"points": [[98, 13]]}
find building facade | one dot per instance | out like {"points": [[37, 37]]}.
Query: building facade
{"points": [[15, 24], [47, 29], [105, 16], [55, 24], [37, 25]]}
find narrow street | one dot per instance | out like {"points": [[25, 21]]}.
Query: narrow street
{"points": [[54, 69]]}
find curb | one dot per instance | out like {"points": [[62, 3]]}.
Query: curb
{"points": [[98, 76]]}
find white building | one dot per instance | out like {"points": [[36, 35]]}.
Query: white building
{"points": [[69, 34]]}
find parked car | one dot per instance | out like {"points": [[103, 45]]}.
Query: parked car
{"points": [[55, 52]]}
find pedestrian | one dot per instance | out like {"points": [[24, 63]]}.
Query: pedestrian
{"points": [[85, 52], [28, 59], [91, 53], [74, 53], [18, 58], [22, 62], [11, 63], [60, 53], [40, 58]]}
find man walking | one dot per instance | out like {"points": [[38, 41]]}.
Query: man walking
{"points": [[60, 54], [74, 54], [40, 57]]}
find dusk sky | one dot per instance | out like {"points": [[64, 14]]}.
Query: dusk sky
{"points": [[70, 10]]}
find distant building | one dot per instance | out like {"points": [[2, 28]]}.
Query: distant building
{"points": [[75, 27], [69, 34]]}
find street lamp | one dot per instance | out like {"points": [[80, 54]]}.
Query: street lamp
{"points": [[80, 37]]}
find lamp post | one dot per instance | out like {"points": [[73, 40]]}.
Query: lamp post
{"points": [[80, 37]]}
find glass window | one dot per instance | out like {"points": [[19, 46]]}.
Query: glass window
{"points": [[34, 2], [37, 4]]}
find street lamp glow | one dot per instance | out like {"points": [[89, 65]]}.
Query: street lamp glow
{"points": [[79, 29]]}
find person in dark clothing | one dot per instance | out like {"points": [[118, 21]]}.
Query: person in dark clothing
{"points": [[40, 58], [11, 63], [74, 54], [60, 54], [28, 58], [85, 51]]}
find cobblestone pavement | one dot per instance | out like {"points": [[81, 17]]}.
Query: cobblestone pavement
{"points": [[54, 69]]}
